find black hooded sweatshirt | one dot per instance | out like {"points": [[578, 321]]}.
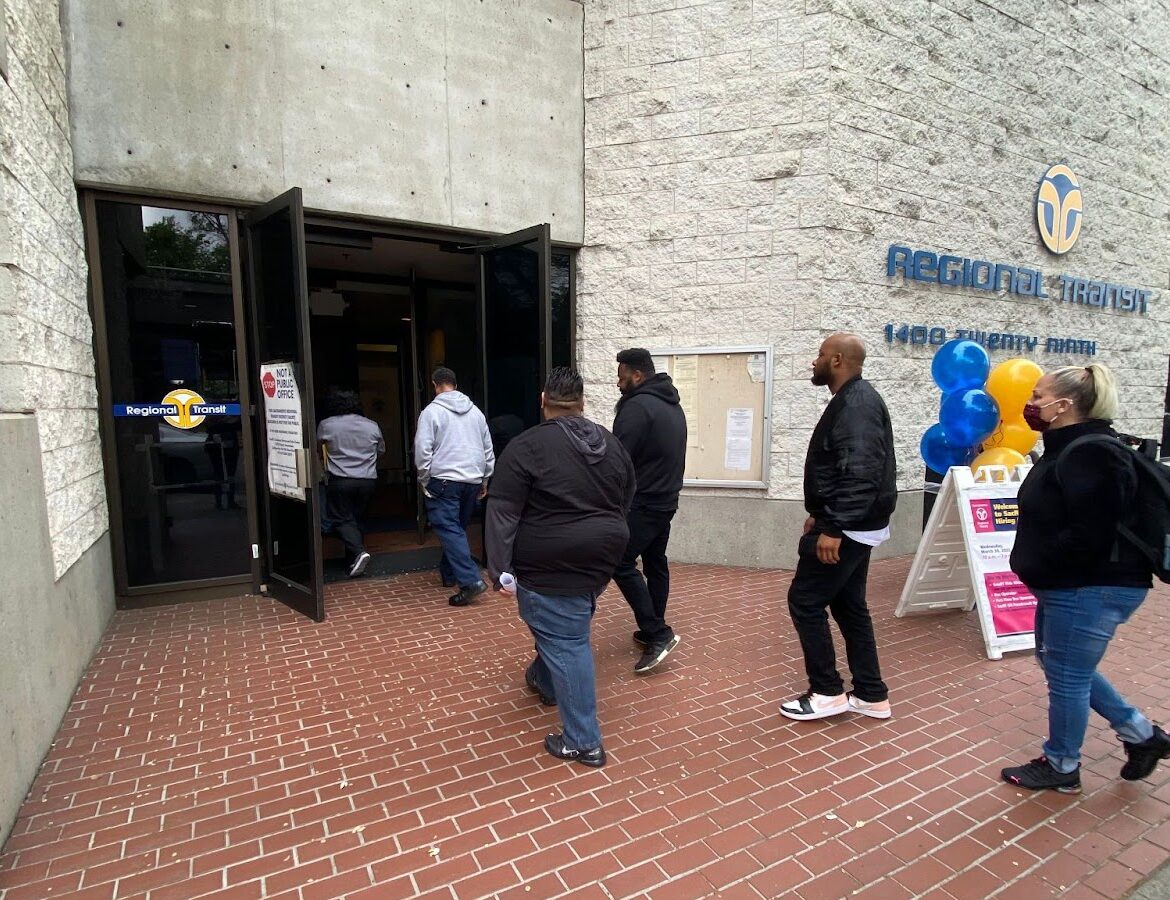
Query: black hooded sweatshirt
{"points": [[651, 425], [556, 514]]}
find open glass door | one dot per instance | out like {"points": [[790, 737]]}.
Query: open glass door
{"points": [[515, 305], [289, 484], [419, 383]]}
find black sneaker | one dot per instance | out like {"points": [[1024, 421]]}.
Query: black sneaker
{"points": [[545, 699], [1039, 774], [640, 638], [654, 654], [555, 745], [359, 564], [1143, 757], [467, 594]]}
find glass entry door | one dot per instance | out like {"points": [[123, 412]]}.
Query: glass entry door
{"points": [[288, 483], [170, 377], [514, 298]]}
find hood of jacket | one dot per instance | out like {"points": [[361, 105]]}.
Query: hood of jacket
{"points": [[587, 437], [456, 401], [657, 385]]}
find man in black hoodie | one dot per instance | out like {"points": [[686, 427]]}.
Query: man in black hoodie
{"points": [[651, 425], [557, 525], [850, 491]]}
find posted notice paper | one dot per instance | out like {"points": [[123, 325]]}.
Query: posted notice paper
{"points": [[737, 451]]}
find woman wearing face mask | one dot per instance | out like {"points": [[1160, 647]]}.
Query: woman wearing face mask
{"points": [[1086, 581]]}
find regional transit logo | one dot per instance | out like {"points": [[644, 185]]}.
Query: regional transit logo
{"points": [[1059, 208], [182, 408]]}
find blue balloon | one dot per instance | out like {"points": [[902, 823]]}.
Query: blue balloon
{"points": [[968, 416], [939, 453], [959, 365]]}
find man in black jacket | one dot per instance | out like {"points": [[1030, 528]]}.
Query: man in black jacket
{"points": [[556, 522], [651, 425], [850, 490]]}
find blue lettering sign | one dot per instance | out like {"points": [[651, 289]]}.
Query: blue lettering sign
{"points": [[962, 271], [992, 340]]}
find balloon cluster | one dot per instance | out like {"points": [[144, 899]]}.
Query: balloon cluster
{"points": [[980, 421]]}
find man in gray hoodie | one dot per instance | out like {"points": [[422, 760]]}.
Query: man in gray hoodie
{"points": [[454, 458]]}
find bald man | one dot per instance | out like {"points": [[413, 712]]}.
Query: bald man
{"points": [[850, 491]]}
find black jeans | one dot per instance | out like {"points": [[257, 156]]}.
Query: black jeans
{"points": [[839, 589], [346, 500], [647, 594]]}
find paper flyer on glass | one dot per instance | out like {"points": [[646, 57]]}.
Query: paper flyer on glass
{"points": [[284, 428]]}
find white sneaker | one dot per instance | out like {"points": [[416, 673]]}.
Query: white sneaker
{"points": [[359, 564], [879, 710], [814, 706]]}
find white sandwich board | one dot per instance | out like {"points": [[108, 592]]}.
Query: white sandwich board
{"points": [[962, 560]]}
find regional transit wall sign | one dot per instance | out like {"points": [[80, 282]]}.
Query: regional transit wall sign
{"points": [[1059, 211]]}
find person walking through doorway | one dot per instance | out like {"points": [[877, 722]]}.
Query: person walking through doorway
{"points": [[454, 458], [352, 444], [850, 491], [652, 427], [557, 526]]}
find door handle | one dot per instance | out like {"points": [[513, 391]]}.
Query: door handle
{"points": [[303, 467]]}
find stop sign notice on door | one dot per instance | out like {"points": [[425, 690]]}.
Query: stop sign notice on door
{"points": [[283, 426]]}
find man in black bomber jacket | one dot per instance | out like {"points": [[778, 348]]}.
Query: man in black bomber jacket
{"points": [[850, 491]]}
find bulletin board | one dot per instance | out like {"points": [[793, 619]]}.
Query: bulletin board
{"points": [[726, 393]]}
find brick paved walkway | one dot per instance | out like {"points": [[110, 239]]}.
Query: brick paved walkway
{"points": [[235, 749]]}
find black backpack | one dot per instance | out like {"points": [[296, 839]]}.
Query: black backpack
{"points": [[1146, 524]]}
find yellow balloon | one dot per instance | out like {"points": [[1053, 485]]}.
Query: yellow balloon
{"points": [[997, 456], [1014, 435], [1011, 384]]}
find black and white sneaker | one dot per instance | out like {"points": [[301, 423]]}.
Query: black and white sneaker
{"points": [[1039, 774], [814, 706], [555, 745], [641, 639], [654, 654], [359, 564]]}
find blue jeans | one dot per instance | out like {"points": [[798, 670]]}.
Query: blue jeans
{"points": [[1073, 630], [563, 667], [449, 509]]}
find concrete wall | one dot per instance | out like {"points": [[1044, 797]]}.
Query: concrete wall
{"points": [[46, 353], [748, 164], [50, 626], [450, 112], [54, 538]]}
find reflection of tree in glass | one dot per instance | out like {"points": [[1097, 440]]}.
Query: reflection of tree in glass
{"points": [[201, 246], [560, 291], [559, 285]]}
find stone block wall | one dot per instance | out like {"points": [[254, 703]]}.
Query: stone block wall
{"points": [[707, 191], [945, 116], [749, 162], [46, 351]]}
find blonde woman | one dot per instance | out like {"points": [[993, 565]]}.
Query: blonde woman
{"points": [[1087, 581]]}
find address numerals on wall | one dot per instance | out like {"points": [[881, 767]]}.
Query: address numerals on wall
{"points": [[936, 335]]}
